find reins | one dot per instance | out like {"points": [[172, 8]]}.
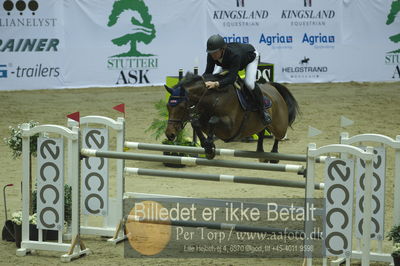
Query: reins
{"points": [[193, 109]]}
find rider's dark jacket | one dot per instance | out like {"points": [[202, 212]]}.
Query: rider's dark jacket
{"points": [[236, 57]]}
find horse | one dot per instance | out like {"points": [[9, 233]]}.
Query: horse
{"points": [[218, 113]]}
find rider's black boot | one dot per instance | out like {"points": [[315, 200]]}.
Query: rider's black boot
{"points": [[259, 100]]}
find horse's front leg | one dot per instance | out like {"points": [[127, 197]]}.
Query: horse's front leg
{"points": [[197, 129], [209, 145], [206, 143]]}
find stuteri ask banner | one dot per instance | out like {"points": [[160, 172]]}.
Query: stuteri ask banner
{"points": [[47, 44]]}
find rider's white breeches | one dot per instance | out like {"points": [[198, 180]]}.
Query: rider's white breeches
{"points": [[251, 72]]}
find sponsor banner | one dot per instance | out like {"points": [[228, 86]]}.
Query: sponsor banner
{"points": [[133, 42], [75, 43], [305, 40], [296, 36], [369, 50], [31, 44]]}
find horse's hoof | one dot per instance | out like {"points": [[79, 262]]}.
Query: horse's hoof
{"points": [[209, 150], [210, 156], [268, 161]]}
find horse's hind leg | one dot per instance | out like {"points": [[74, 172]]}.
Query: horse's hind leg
{"points": [[275, 150], [260, 148]]}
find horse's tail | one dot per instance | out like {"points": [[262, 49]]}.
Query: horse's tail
{"points": [[293, 106]]}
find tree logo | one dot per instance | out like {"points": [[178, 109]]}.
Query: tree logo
{"points": [[143, 29], [394, 10]]}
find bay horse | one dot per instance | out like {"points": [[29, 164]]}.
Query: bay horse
{"points": [[218, 112]]}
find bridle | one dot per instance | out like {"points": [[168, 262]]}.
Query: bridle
{"points": [[193, 109], [175, 100]]}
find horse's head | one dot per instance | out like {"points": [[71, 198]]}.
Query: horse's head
{"points": [[183, 96], [178, 111]]}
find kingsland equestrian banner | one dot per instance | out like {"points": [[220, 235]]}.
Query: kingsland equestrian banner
{"points": [[47, 44]]}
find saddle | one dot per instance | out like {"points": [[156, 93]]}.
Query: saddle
{"points": [[244, 95], [245, 98]]}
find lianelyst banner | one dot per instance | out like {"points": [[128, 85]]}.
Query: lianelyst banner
{"points": [[31, 44]]}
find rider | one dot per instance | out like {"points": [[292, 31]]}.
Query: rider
{"points": [[234, 57]]}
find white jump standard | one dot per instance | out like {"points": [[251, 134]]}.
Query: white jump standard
{"points": [[50, 184], [112, 216]]}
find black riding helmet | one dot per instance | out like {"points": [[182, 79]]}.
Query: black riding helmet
{"points": [[214, 43]]}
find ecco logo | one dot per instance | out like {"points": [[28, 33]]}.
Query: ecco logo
{"points": [[339, 174], [50, 210], [3, 72], [20, 5]]}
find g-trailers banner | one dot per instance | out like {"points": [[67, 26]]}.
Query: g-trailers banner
{"points": [[75, 43]]}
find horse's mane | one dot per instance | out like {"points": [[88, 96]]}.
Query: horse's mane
{"points": [[191, 78], [211, 77]]}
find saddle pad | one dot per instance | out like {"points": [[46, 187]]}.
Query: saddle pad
{"points": [[247, 106]]}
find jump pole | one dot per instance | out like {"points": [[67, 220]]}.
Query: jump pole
{"points": [[193, 161], [222, 178], [224, 152]]}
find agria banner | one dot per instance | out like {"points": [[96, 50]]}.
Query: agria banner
{"points": [[48, 44]]}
